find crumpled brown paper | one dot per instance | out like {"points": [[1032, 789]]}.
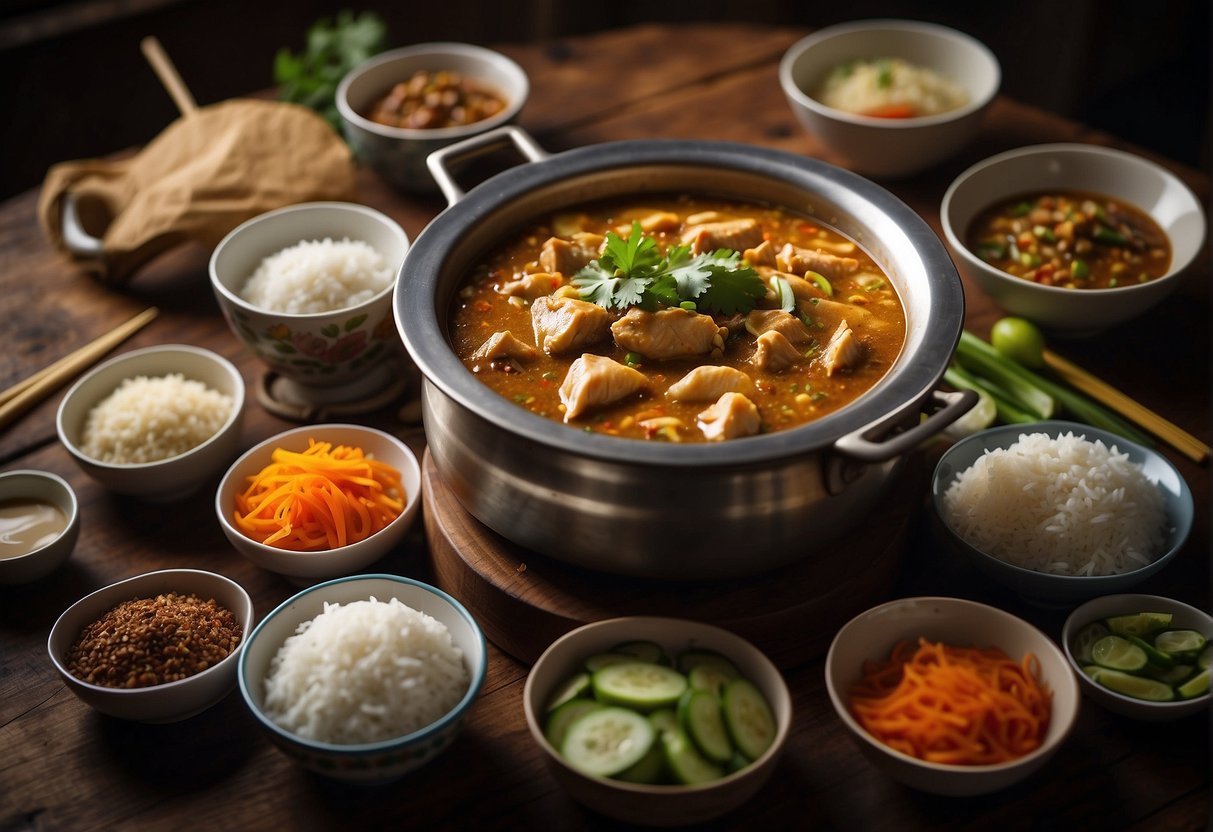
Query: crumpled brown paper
{"points": [[209, 171]]}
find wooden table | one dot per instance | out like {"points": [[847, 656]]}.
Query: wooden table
{"points": [[63, 766]]}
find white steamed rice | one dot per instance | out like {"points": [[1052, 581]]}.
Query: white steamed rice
{"points": [[318, 276], [150, 419], [862, 87], [365, 671], [1066, 506]]}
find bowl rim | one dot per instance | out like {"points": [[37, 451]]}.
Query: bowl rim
{"points": [[1130, 702], [783, 729], [1055, 427], [1062, 149], [918, 27], [72, 513], [248, 617], [1046, 748], [412, 498], [238, 397], [367, 212], [501, 63], [477, 674]]}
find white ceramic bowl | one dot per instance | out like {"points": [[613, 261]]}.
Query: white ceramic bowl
{"points": [[168, 479], [304, 567], [172, 701], [47, 488], [1042, 587], [655, 805], [1073, 167], [339, 355], [1183, 616], [369, 762], [871, 636], [889, 147], [398, 154]]}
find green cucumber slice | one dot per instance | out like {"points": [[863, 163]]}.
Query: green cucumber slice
{"points": [[637, 684], [684, 762], [562, 716], [1087, 636], [578, 685], [749, 718], [663, 719], [709, 677], [1180, 641], [688, 660], [607, 741], [646, 651], [701, 717], [1156, 657], [648, 769], [1138, 687], [1139, 624], [1118, 653], [598, 661], [1198, 685]]}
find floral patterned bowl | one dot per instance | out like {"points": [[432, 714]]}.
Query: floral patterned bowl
{"points": [[329, 356]]}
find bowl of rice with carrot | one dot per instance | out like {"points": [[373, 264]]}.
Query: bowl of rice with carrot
{"points": [[951, 696], [320, 501], [1060, 512], [365, 678]]}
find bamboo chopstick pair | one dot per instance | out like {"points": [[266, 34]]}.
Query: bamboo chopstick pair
{"points": [[1172, 434], [25, 394]]}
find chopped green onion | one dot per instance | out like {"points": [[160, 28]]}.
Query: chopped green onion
{"points": [[820, 280], [1045, 233], [632, 359], [1107, 236], [885, 76], [784, 293], [1022, 209], [1079, 269], [688, 305]]}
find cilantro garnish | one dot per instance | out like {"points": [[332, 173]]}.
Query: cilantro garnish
{"points": [[633, 272]]}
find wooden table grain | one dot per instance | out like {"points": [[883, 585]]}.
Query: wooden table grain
{"points": [[65, 767]]}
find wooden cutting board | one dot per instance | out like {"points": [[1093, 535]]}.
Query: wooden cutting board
{"points": [[524, 601]]}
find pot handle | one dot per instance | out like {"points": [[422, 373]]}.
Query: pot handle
{"points": [[474, 145], [865, 444]]}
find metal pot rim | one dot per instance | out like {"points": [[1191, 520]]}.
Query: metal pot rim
{"points": [[909, 381]]}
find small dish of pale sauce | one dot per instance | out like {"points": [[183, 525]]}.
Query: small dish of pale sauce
{"points": [[27, 525]]}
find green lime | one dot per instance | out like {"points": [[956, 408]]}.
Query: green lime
{"points": [[1118, 654], [1176, 675], [1139, 624], [1180, 641], [1154, 656], [1137, 687], [1086, 638], [1205, 658], [1018, 340], [1198, 685]]}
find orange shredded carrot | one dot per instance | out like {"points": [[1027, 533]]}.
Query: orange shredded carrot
{"points": [[955, 705], [323, 498]]}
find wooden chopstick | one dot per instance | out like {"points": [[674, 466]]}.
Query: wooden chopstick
{"points": [[168, 75], [1172, 434], [25, 394]]}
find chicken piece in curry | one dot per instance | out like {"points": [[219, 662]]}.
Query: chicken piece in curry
{"points": [[679, 319]]}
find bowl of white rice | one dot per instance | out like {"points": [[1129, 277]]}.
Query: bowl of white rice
{"points": [[155, 423], [308, 289], [890, 98], [1060, 512], [364, 678]]}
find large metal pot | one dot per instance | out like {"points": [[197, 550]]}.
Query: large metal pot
{"points": [[685, 511]]}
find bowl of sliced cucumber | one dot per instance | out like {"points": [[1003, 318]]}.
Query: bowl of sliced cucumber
{"points": [[1142, 656], [657, 721]]}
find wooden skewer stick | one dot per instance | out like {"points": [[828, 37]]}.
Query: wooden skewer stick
{"points": [[25, 394], [1172, 434], [168, 75]]}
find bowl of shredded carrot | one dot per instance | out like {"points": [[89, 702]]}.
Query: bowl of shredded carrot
{"points": [[950, 696], [320, 501]]}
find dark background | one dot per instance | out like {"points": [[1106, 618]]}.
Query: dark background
{"points": [[75, 84]]}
